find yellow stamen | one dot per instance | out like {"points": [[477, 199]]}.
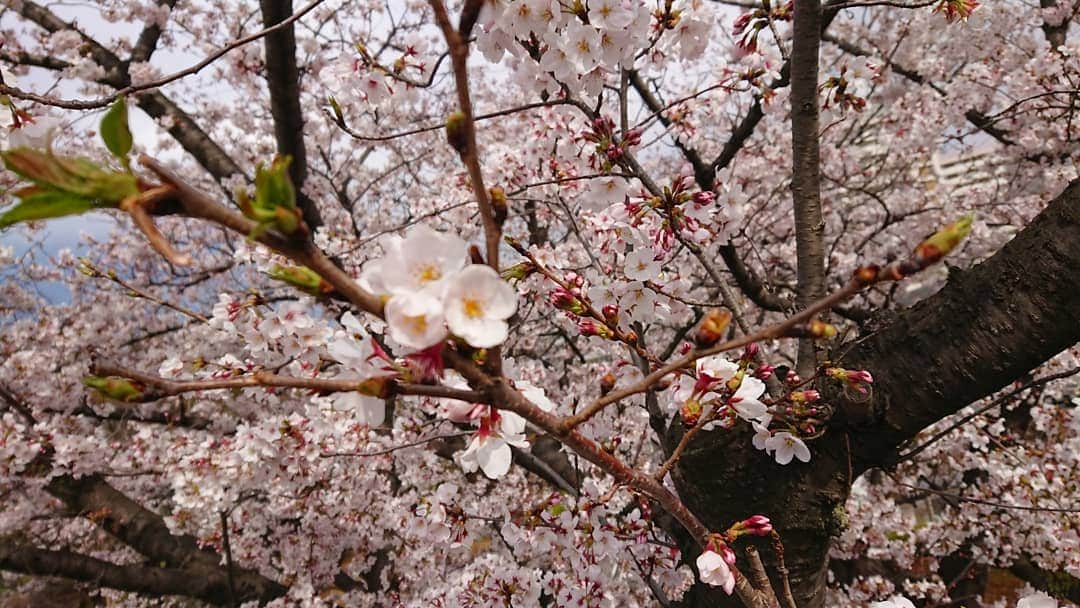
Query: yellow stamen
{"points": [[428, 273], [418, 323], [473, 308]]}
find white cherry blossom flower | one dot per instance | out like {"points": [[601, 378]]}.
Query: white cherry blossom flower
{"points": [[583, 44], [1037, 600], [478, 302], [489, 450], [786, 446], [603, 192], [747, 399], [425, 258], [761, 431], [31, 132], [610, 14], [641, 265], [369, 410], [714, 571], [896, 601], [535, 394], [416, 320], [352, 348]]}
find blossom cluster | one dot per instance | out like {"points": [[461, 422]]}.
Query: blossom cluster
{"points": [[431, 291]]}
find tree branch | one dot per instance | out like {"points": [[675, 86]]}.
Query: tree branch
{"points": [[806, 167], [283, 80], [988, 326], [147, 533], [136, 578]]}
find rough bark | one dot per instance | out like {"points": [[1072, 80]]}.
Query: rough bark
{"points": [[985, 328], [988, 326]]}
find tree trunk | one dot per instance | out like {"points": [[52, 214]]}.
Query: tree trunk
{"points": [[987, 327]]}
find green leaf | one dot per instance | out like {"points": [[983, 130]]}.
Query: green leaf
{"points": [[273, 186], [77, 176], [43, 204], [115, 131]]}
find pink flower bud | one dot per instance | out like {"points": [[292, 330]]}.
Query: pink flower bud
{"points": [[764, 371], [704, 198], [758, 525], [592, 327], [564, 300], [726, 553], [807, 396], [611, 314]]}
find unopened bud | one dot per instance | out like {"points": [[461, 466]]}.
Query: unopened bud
{"points": [[519, 271], [758, 525], [499, 207], [942, 242], [751, 351], [592, 327], [611, 314], [607, 383], [119, 389], [704, 198], [515, 245], [303, 278], [455, 131], [712, 327], [764, 371], [564, 300], [867, 275], [807, 396], [690, 413], [336, 108], [814, 329]]}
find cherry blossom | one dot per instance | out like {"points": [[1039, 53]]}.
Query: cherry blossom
{"points": [[786, 446], [714, 571], [478, 303], [489, 450]]}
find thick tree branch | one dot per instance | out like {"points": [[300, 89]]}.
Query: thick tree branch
{"points": [[806, 167], [146, 44], [137, 578], [985, 328], [147, 533], [1059, 584], [283, 80]]}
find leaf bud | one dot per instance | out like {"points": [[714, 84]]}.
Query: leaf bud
{"points": [[118, 389], [712, 327], [303, 278], [942, 242], [455, 131], [499, 207]]}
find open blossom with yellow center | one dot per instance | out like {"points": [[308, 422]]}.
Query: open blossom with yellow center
{"points": [[477, 303], [423, 259], [415, 320]]}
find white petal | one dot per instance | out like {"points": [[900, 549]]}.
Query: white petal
{"points": [[479, 333], [494, 458], [369, 410]]}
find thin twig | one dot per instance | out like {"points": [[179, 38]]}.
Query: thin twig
{"points": [[101, 102]]}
